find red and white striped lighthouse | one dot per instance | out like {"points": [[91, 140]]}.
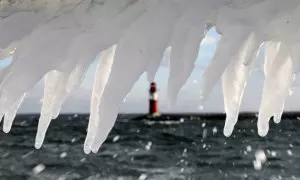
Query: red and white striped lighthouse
{"points": [[153, 102]]}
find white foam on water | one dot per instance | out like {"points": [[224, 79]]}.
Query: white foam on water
{"points": [[58, 40], [260, 159], [38, 169]]}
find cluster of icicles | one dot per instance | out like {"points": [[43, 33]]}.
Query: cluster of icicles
{"points": [[58, 39]]}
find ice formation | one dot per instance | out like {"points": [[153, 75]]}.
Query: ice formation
{"points": [[58, 40]]}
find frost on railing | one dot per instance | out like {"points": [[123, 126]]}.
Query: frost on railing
{"points": [[58, 40]]}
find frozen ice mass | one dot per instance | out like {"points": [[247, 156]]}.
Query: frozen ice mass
{"points": [[57, 40]]}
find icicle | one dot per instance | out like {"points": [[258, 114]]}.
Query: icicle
{"points": [[153, 65], [11, 114], [12, 91], [227, 49], [152, 68], [43, 125], [58, 96], [69, 84], [52, 84], [36, 46], [234, 81], [185, 43], [276, 89], [271, 51], [58, 86], [150, 46], [101, 78]]}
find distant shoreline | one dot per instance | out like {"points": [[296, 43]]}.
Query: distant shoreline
{"points": [[175, 116]]}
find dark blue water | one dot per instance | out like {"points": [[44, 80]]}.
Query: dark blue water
{"points": [[193, 149]]}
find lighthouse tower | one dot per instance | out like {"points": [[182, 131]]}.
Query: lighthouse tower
{"points": [[153, 102]]}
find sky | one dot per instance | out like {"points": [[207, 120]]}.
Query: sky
{"points": [[189, 97]]}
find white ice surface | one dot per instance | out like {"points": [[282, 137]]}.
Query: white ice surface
{"points": [[58, 40]]}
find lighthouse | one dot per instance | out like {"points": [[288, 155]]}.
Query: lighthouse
{"points": [[153, 102]]}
